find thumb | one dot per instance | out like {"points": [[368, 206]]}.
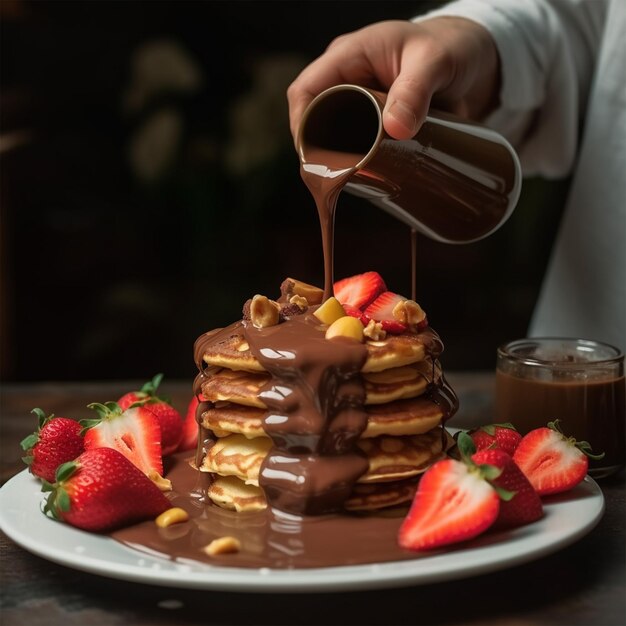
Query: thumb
{"points": [[406, 107]]}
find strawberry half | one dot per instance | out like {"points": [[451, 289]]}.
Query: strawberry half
{"points": [[360, 290], [503, 436], [552, 462], [381, 310], [135, 433], [169, 418], [56, 441], [102, 490], [454, 502]]}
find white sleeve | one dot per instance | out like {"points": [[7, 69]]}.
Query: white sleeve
{"points": [[548, 51]]}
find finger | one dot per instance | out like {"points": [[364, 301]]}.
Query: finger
{"points": [[421, 75]]}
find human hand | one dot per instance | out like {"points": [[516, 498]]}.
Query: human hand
{"points": [[451, 61]]}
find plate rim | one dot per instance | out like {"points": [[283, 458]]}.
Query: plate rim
{"points": [[197, 575]]}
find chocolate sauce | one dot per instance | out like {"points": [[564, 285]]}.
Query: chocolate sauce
{"points": [[315, 401], [268, 538], [589, 410]]}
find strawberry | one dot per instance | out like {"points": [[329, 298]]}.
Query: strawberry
{"points": [[189, 440], [551, 461], [135, 433], [454, 502], [381, 310], [56, 440], [170, 419], [503, 436], [102, 490], [525, 505], [360, 290]]}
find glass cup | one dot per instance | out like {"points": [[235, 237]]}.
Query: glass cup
{"points": [[577, 381]]}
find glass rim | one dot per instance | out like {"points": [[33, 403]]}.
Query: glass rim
{"points": [[505, 351]]}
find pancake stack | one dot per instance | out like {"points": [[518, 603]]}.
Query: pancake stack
{"points": [[381, 412]]}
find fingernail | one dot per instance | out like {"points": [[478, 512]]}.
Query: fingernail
{"points": [[403, 114]]}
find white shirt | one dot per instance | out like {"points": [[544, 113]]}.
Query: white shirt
{"points": [[564, 63]]}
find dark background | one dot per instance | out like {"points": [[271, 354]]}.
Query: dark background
{"points": [[149, 186]]}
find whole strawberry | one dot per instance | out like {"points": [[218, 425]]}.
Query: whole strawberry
{"points": [[503, 436], [56, 440], [551, 461], [135, 433], [170, 419], [525, 505], [102, 490]]}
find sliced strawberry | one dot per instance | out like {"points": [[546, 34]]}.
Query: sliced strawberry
{"points": [[170, 419], [360, 290], [551, 461], [189, 439], [503, 436], [381, 310], [453, 503], [135, 433]]}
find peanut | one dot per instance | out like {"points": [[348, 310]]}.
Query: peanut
{"points": [[175, 515], [222, 545], [162, 483], [264, 312]]}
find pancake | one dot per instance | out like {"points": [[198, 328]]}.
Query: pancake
{"points": [[233, 494], [390, 458], [242, 387], [233, 351], [401, 417], [237, 456], [373, 496]]}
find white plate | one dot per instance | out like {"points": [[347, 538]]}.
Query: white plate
{"points": [[567, 518]]}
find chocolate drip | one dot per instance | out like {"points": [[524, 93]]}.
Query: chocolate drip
{"points": [[315, 401]]}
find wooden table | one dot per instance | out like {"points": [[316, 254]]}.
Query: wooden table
{"points": [[582, 584]]}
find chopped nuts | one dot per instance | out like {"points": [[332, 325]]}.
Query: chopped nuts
{"points": [[374, 331], [175, 515], [291, 287], [300, 301], [163, 484], [408, 312], [223, 545], [263, 312]]}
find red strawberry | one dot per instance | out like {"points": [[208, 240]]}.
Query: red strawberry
{"points": [[503, 436], [190, 426], [102, 490], [454, 502], [359, 290], [381, 310], [135, 433], [525, 504], [56, 441], [551, 461], [169, 418]]}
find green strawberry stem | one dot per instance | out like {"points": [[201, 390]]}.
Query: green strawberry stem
{"points": [[58, 500], [583, 446], [105, 411], [467, 448]]}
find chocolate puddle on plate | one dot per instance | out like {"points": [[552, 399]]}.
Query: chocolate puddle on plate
{"points": [[268, 539]]}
